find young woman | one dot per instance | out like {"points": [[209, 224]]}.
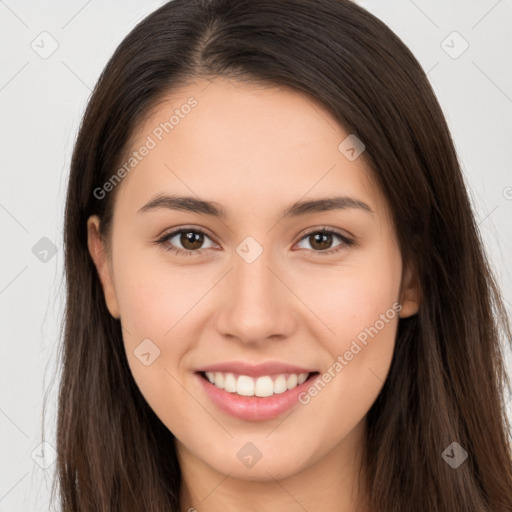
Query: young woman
{"points": [[277, 294]]}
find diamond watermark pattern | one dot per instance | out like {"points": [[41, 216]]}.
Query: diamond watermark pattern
{"points": [[249, 249], [454, 455], [44, 45], [147, 352], [351, 147], [249, 454], [44, 455], [454, 45], [44, 250]]}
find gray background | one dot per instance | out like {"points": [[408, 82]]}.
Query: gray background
{"points": [[42, 98]]}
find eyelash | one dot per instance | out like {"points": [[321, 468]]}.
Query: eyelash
{"points": [[163, 241]]}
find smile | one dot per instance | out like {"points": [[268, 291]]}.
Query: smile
{"points": [[266, 385], [254, 398]]}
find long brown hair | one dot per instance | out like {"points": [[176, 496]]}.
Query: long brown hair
{"points": [[447, 379]]}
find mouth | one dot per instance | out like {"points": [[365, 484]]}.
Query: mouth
{"points": [[263, 386], [255, 398]]}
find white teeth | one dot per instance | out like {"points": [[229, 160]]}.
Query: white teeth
{"points": [[261, 386], [245, 386], [302, 378], [280, 384], [230, 383], [292, 381], [219, 380], [264, 387]]}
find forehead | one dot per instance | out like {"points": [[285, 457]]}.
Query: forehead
{"points": [[236, 143]]}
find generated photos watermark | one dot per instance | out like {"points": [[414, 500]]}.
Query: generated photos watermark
{"points": [[343, 360], [150, 143]]}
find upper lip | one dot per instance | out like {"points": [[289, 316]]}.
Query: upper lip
{"points": [[255, 370]]}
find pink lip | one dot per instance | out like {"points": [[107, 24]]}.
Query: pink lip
{"points": [[254, 408], [252, 370]]}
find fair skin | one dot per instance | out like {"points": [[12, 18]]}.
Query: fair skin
{"points": [[255, 151]]}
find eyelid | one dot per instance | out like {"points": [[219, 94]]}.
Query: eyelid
{"points": [[174, 231], [328, 229]]}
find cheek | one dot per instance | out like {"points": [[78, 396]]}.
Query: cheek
{"points": [[155, 298], [358, 306], [158, 305], [349, 299]]}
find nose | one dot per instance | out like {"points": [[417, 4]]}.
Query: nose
{"points": [[256, 305]]}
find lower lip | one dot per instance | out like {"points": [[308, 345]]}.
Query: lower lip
{"points": [[254, 408]]}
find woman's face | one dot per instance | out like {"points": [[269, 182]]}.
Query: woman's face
{"points": [[259, 294]]}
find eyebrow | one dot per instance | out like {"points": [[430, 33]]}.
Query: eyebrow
{"points": [[194, 205]]}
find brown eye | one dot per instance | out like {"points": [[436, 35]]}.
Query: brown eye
{"points": [[191, 241], [321, 241]]}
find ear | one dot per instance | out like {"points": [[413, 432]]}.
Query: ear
{"points": [[410, 292], [100, 258]]}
